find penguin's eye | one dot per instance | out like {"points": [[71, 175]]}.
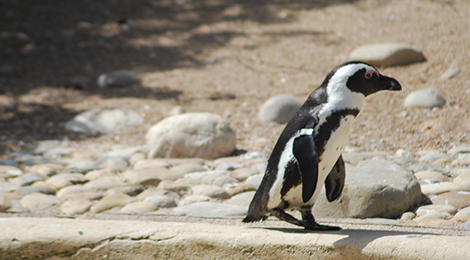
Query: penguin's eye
{"points": [[369, 74]]}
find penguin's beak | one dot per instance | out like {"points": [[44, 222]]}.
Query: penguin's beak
{"points": [[388, 83]]}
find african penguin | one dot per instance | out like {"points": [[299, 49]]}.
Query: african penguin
{"points": [[308, 151]]}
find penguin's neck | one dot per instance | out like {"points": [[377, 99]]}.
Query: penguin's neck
{"points": [[340, 99]]}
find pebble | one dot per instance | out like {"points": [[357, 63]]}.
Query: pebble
{"points": [[76, 206], [37, 189], [7, 171], [139, 207], [148, 176], [279, 109], [463, 178], [464, 148], [27, 179], [37, 201], [463, 215], [255, 180], [185, 168], [91, 195], [408, 216], [427, 98], [118, 79], [193, 199], [387, 54], [431, 175], [151, 163], [60, 181], [104, 183], [431, 157], [458, 199], [202, 135], [161, 201], [131, 190], [5, 203], [221, 187], [442, 187], [111, 201], [242, 198], [212, 191], [104, 120], [73, 189], [452, 72], [46, 170]]}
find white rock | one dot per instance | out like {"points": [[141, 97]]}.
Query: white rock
{"points": [[103, 120], [279, 109], [387, 54], [203, 135], [427, 98], [450, 73]]}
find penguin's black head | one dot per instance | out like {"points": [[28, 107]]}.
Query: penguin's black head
{"points": [[366, 79]]}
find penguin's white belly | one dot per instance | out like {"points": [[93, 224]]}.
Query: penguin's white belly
{"points": [[333, 149]]}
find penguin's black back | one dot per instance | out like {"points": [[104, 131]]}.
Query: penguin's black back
{"points": [[258, 207]]}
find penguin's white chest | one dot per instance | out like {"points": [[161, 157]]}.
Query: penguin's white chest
{"points": [[332, 150]]}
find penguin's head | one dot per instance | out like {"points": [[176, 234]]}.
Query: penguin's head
{"points": [[362, 78]]}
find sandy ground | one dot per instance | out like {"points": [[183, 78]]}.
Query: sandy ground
{"points": [[225, 57]]}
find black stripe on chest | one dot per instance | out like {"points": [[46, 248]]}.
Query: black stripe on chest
{"points": [[330, 125]]}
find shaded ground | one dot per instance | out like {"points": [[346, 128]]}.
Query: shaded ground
{"points": [[225, 57]]}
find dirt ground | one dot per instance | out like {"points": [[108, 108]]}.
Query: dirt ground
{"points": [[225, 57]]}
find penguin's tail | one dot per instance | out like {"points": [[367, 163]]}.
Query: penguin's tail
{"points": [[253, 218], [254, 213]]}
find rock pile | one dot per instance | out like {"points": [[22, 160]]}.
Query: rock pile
{"points": [[378, 184]]}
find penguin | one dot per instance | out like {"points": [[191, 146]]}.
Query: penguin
{"points": [[308, 151]]}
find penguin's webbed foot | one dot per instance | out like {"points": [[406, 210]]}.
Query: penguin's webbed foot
{"points": [[280, 214], [311, 224]]}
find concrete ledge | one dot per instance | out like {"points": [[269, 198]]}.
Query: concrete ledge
{"points": [[117, 239]]}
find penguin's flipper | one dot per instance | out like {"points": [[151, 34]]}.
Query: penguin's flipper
{"points": [[334, 182], [305, 152]]}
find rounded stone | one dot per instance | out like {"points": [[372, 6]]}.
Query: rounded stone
{"points": [[76, 206], [104, 183], [73, 189], [463, 178], [203, 135], [408, 216], [242, 198], [442, 187], [387, 54], [66, 179], [431, 175], [463, 215], [189, 199], [37, 189], [103, 120], [427, 98], [27, 179], [118, 79], [38, 201], [212, 191], [161, 201], [111, 201], [139, 207], [254, 180], [279, 109], [458, 199]]}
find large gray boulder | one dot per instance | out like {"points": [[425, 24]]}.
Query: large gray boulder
{"points": [[374, 188], [202, 135]]}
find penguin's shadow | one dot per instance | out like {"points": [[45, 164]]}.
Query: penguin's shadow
{"points": [[359, 238]]}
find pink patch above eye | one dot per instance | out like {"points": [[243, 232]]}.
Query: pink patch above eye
{"points": [[370, 73]]}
